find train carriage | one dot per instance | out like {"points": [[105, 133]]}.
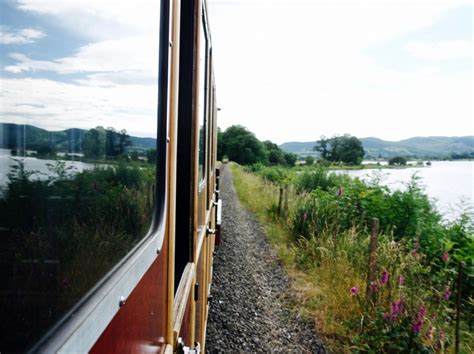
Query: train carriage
{"points": [[150, 291]]}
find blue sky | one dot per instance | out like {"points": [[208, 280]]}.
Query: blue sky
{"points": [[453, 25], [79, 63]]}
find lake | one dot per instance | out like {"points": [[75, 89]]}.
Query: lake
{"points": [[450, 184], [34, 164]]}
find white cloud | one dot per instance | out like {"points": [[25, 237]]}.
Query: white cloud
{"points": [[299, 69], [22, 36], [13, 69], [99, 19], [54, 105], [441, 50], [124, 61]]}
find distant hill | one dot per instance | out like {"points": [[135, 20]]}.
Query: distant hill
{"points": [[417, 147], [28, 137]]}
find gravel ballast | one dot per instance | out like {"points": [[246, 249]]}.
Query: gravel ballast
{"points": [[251, 297]]}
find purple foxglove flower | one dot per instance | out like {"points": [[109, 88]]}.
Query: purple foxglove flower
{"points": [[429, 334], [395, 310], [420, 316], [401, 280], [373, 287], [417, 326], [446, 294], [384, 278]]}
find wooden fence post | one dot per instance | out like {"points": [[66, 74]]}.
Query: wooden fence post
{"points": [[285, 208], [280, 200], [372, 270]]}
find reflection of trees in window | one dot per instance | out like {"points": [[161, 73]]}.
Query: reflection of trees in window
{"points": [[203, 49], [60, 235], [116, 142], [100, 142], [94, 143], [202, 148]]}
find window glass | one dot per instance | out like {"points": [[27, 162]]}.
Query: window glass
{"points": [[77, 152], [203, 48]]}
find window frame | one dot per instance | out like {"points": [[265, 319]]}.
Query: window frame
{"points": [[80, 328], [202, 182]]}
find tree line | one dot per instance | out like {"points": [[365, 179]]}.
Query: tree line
{"points": [[239, 144]]}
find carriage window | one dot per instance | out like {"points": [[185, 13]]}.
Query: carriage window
{"points": [[77, 153], [203, 58]]}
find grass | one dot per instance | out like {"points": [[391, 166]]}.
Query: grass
{"points": [[322, 291], [324, 248]]}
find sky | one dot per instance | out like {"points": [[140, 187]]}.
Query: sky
{"points": [[290, 70], [296, 70], [80, 63]]}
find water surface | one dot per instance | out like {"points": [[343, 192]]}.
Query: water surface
{"points": [[450, 184]]}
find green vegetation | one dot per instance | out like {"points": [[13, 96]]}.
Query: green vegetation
{"points": [[238, 144], [100, 143], [322, 233], [62, 233], [397, 161], [426, 148], [346, 149], [96, 144]]}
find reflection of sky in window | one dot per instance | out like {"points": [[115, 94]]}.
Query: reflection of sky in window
{"points": [[79, 63], [451, 35]]}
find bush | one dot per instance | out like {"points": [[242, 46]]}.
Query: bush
{"points": [[398, 161]]}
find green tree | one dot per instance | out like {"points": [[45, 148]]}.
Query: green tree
{"points": [[309, 160], [151, 155], [398, 160], [220, 145], [290, 158], [322, 145], [275, 155], [241, 145], [347, 149], [94, 143]]}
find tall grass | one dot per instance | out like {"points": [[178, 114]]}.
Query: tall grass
{"points": [[324, 245]]}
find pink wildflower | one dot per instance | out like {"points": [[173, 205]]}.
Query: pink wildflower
{"points": [[429, 334], [420, 316], [384, 278], [354, 291], [401, 280], [395, 309], [445, 257], [446, 294], [416, 326], [415, 249], [373, 287]]}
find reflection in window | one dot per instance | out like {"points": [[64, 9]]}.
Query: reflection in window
{"points": [[203, 48], [77, 172]]}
